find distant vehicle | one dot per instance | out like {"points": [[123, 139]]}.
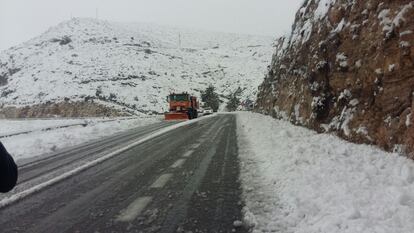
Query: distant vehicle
{"points": [[208, 111], [182, 106]]}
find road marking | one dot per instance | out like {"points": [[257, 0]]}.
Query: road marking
{"points": [[178, 212], [134, 209], [161, 181], [178, 163], [188, 153]]}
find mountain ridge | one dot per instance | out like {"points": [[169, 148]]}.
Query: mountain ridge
{"points": [[127, 66]]}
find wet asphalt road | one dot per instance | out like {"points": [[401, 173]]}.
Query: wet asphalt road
{"points": [[185, 180]]}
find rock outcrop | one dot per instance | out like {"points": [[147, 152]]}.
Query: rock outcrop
{"points": [[348, 68], [63, 109]]}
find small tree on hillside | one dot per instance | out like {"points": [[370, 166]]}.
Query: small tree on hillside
{"points": [[234, 100], [210, 98]]}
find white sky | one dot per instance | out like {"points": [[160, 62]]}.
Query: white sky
{"points": [[21, 20]]}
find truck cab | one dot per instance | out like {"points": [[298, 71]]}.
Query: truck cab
{"points": [[182, 106]]}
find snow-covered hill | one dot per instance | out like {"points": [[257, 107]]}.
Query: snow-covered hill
{"points": [[129, 66]]}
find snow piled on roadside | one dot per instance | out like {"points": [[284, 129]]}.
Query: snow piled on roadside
{"points": [[41, 142], [295, 180], [11, 126]]}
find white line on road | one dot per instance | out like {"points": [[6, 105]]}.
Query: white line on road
{"points": [[188, 153], [134, 209], [178, 163], [161, 181]]}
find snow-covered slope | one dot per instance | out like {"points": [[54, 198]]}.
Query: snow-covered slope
{"points": [[40, 141], [130, 65], [295, 180]]}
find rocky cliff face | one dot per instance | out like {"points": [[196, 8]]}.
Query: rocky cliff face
{"points": [[348, 68]]}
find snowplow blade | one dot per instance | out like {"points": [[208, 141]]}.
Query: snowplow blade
{"points": [[175, 116]]}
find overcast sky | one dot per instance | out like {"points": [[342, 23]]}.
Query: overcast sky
{"points": [[21, 20]]}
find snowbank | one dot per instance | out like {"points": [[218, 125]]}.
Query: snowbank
{"points": [[14, 126], [295, 180], [41, 142]]}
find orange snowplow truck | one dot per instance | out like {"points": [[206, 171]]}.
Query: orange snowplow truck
{"points": [[182, 107]]}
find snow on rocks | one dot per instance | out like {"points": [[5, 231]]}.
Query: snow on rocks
{"points": [[407, 32], [340, 26], [302, 31], [345, 94], [342, 59], [391, 67], [296, 180], [323, 8], [408, 120], [385, 21], [405, 44], [354, 102], [237, 223], [389, 24], [358, 63]]}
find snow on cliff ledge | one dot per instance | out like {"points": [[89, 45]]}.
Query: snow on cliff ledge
{"points": [[133, 65]]}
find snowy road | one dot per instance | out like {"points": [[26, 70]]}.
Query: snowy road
{"points": [[183, 180]]}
